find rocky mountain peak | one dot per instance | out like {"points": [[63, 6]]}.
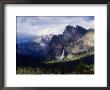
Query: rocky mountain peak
{"points": [[69, 29], [67, 39], [81, 30], [75, 30]]}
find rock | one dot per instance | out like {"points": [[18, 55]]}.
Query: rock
{"points": [[67, 39], [84, 43]]}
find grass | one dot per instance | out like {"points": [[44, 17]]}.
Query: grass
{"points": [[28, 70]]}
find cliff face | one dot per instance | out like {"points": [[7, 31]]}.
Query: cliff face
{"points": [[84, 43], [74, 39], [71, 33]]}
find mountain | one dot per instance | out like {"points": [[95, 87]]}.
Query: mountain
{"points": [[68, 40], [84, 43], [73, 41], [71, 33], [35, 47], [43, 40]]}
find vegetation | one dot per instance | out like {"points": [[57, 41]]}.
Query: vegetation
{"points": [[82, 63]]}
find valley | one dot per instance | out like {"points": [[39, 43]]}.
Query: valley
{"points": [[69, 53]]}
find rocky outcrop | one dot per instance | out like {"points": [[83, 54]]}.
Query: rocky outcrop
{"points": [[71, 33], [84, 43], [71, 37]]}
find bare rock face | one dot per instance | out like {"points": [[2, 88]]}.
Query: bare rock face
{"points": [[74, 39], [84, 43], [88, 39], [71, 33]]}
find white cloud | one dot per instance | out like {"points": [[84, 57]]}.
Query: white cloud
{"points": [[52, 29], [50, 25]]}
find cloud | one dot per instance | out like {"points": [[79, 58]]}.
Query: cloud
{"points": [[42, 25]]}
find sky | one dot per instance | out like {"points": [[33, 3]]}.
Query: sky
{"points": [[44, 25]]}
